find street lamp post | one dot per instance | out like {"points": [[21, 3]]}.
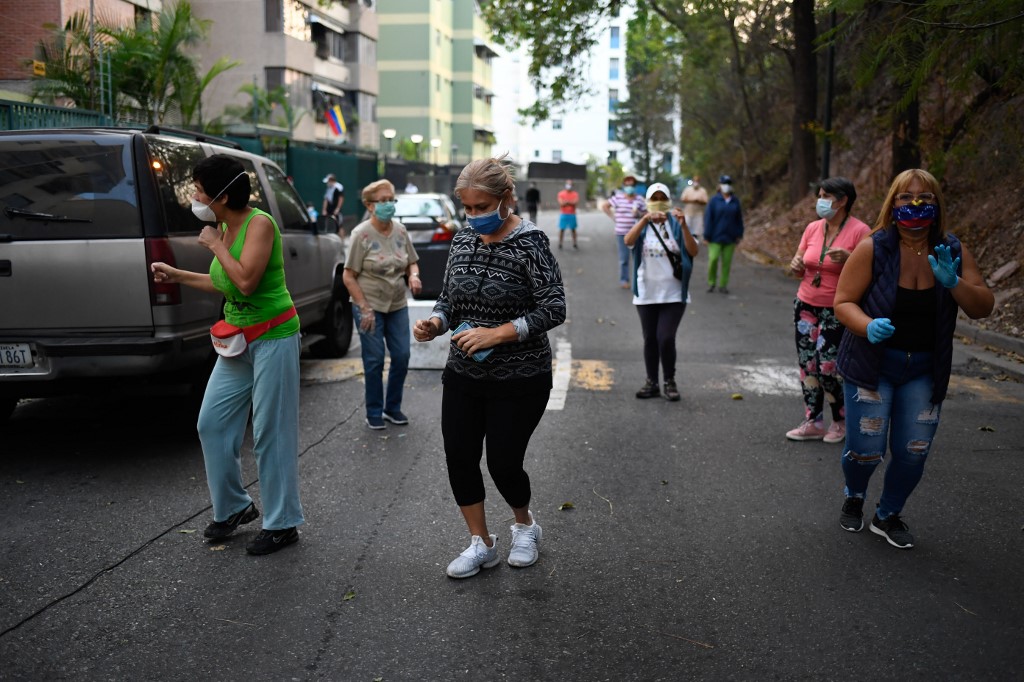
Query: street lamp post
{"points": [[416, 139], [435, 142], [389, 134]]}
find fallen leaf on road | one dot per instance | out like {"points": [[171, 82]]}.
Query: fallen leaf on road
{"points": [[985, 428], [187, 530], [737, 396], [566, 505], [218, 548], [600, 320], [349, 596]]}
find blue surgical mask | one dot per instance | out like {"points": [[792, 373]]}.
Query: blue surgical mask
{"points": [[487, 223], [629, 189], [384, 210], [824, 208]]}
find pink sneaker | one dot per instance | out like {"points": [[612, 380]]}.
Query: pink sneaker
{"points": [[809, 430], [836, 432]]}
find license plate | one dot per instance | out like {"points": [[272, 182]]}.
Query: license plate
{"points": [[15, 355]]}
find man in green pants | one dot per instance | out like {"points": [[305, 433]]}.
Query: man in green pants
{"points": [[723, 230]]}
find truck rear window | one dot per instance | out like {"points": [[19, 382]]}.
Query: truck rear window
{"points": [[60, 188]]}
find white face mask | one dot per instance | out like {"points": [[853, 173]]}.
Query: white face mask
{"points": [[203, 211], [726, 189]]}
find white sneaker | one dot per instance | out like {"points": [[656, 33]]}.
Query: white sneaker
{"points": [[477, 556], [524, 543]]}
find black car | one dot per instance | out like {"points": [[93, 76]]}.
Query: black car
{"points": [[432, 221]]}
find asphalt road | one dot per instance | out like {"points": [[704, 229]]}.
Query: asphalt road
{"points": [[701, 544]]}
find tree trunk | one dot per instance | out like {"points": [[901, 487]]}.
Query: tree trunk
{"points": [[906, 138], [802, 164]]}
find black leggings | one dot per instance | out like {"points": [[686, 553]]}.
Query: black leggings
{"points": [[507, 423], [659, 322]]}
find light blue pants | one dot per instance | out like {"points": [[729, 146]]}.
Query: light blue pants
{"points": [[264, 378], [390, 331], [899, 414], [624, 252]]}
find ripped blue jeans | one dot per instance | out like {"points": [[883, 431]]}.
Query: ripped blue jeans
{"points": [[899, 412]]}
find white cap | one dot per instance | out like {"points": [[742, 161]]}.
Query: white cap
{"points": [[658, 187], [328, 177]]}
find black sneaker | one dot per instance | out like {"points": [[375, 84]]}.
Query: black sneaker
{"points": [[894, 530], [711, 288], [269, 541], [723, 290], [852, 516], [649, 390], [671, 392], [218, 530], [396, 417]]}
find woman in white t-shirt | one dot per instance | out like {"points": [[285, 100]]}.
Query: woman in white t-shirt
{"points": [[659, 295]]}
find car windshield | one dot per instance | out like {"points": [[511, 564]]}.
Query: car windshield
{"points": [[67, 188], [418, 206]]}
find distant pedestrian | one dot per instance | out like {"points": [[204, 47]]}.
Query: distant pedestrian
{"points": [[312, 213], [410, 187], [898, 298], [625, 208], [380, 259], [334, 199], [532, 201], [695, 200], [663, 253], [502, 293], [723, 230], [568, 198], [261, 375], [824, 249]]}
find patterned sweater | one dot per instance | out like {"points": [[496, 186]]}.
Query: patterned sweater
{"points": [[515, 280]]}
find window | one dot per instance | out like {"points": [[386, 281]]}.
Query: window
{"points": [[613, 100], [613, 156], [556, 124], [297, 85], [536, 153], [613, 69], [437, 82], [91, 181], [611, 131], [556, 156], [437, 37], [614, 38], [293, 211]]}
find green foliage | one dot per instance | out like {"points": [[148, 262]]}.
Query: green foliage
{"points": [[152, 70]]}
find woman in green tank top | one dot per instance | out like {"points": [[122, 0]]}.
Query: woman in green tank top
{"points": [[248, 270]]}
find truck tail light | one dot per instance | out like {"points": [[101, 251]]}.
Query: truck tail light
{"points": [[158, 250]]}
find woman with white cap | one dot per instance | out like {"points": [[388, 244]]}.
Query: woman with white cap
{"points": [[662, 263]]}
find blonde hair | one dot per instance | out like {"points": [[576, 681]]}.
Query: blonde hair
{"points": [[486, 175], [372, 188], [937, 232]]}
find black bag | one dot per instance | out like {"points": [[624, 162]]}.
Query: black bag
{"points": [[674, 258]]}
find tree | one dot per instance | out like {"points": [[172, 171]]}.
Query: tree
{"points": [[69, 59]]}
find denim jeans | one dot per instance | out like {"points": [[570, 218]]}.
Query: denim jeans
{"points": [[266, 378], [624, 252], [392, 330], [900, 412]]}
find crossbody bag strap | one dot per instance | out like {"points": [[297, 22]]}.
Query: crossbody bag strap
{"points": [[672, 255]]}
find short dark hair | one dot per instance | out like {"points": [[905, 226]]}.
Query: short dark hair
{"points": [[218, 174], [840, 187]]}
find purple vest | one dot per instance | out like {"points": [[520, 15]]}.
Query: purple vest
{"points": [[859, 360]]}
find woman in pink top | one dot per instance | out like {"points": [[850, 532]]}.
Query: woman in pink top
{"points": [[819, 259]]}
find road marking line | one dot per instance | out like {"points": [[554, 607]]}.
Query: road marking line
{"points": [[763, 378], [562, 374]]}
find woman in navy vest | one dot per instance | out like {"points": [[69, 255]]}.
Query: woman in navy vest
{"points": [[898, 297]]}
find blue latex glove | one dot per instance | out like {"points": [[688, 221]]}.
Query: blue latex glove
{"points": [[943, 267], [879, 329]]}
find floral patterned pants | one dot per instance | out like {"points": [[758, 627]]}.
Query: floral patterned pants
{"points": [[818, 333]]}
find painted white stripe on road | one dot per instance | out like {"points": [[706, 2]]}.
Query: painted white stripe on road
{"points": [[764, 378], [562, 374]]}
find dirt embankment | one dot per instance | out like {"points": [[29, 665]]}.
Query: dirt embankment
{"points": [[982, 184]]}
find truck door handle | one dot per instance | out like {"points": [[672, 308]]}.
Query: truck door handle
{"points": [[5, 268]]}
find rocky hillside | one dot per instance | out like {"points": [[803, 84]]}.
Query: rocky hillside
{"points": [[982, 186]]}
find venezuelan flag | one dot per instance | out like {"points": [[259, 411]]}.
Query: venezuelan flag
{"points": [[334, 119]]}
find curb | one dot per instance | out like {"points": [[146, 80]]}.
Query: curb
{"points": [[985, 346]]}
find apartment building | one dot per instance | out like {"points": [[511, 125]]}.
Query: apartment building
{"points": [[323, 56], [579, 130], [23, 24], [434, 58]]}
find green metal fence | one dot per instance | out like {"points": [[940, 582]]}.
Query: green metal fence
{"points": [[24, 115]]}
